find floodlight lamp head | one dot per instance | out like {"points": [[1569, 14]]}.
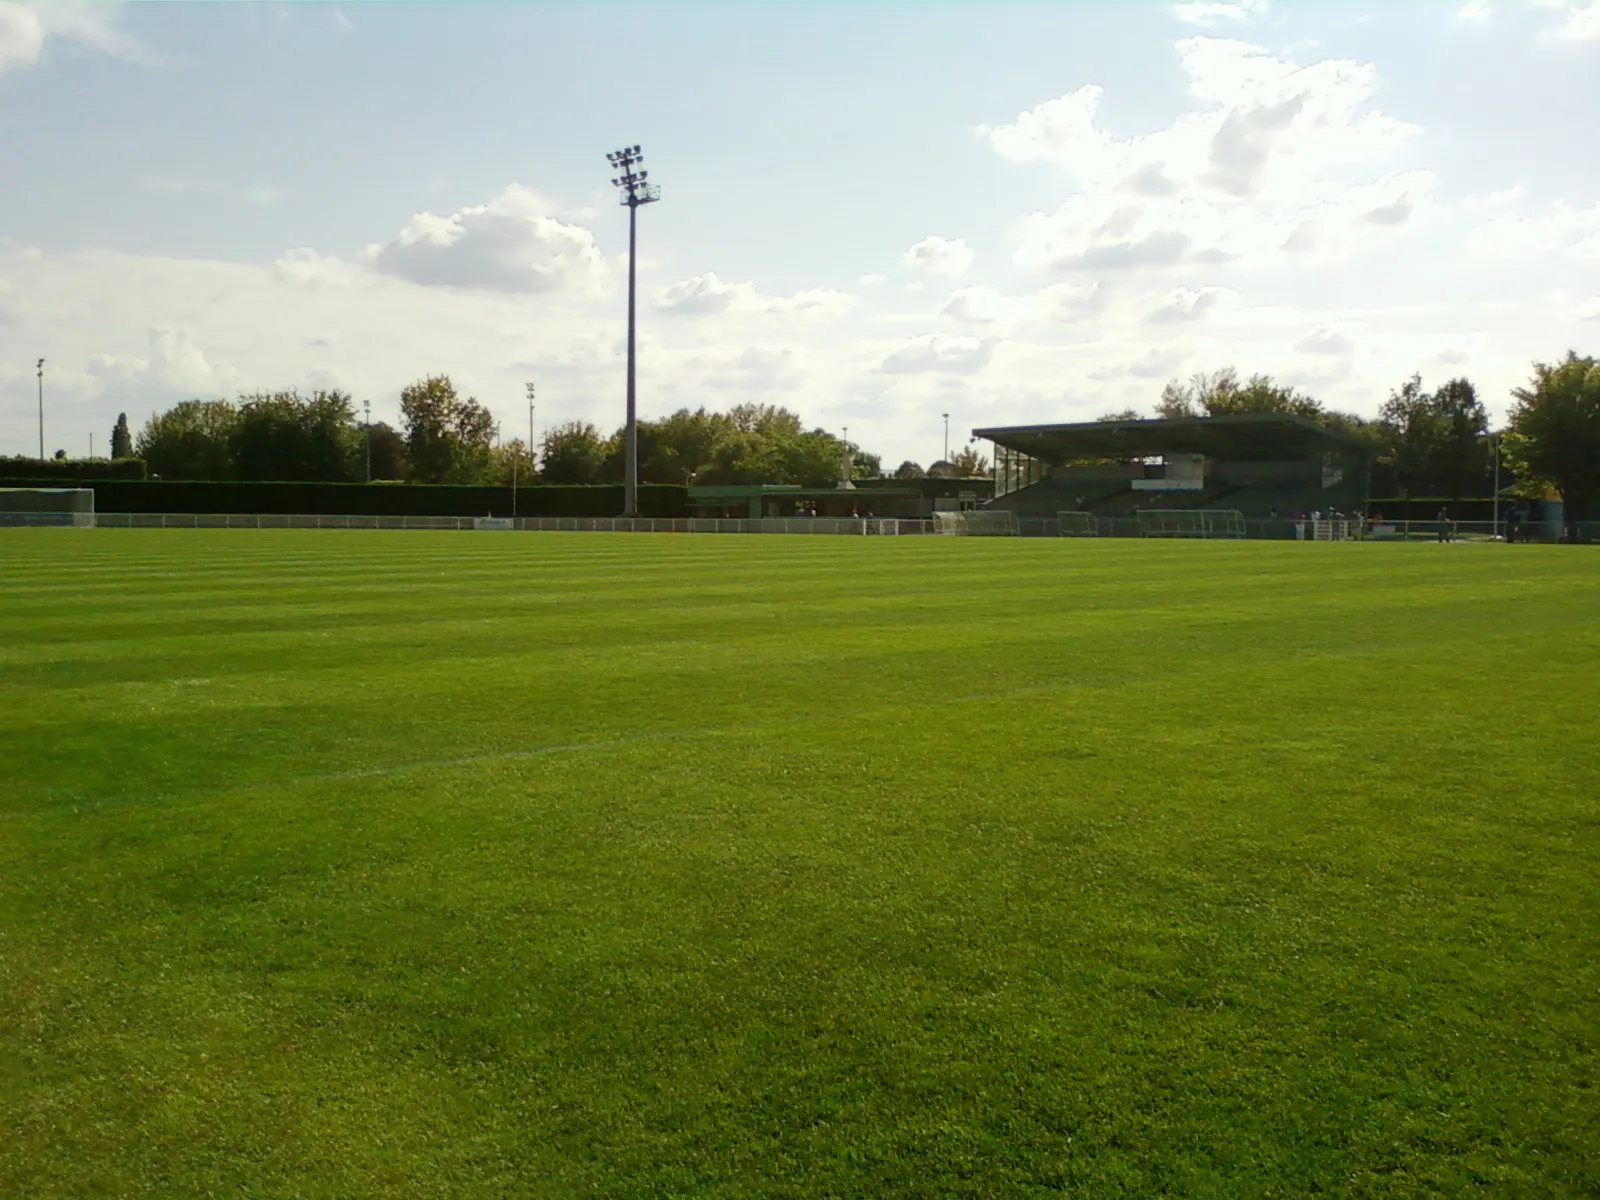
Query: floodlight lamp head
{"points": [[636, 148]]}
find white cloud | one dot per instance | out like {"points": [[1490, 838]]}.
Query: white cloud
{"points": [[1211, 13], [22, 35], [1589, 310], [983, 305], [1564, 231], [341, 22], [172, 366], [702, 295], [1158, 362], [980, 305], [1271, 148], [940, 256], [512, 244], [957, 354], [25, 28], [307, 268], [1581, 21], [1190, 304], [1327, 341], [752, 369]]}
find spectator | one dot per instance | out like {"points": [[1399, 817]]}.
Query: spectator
{"points": [[1444, 523]]}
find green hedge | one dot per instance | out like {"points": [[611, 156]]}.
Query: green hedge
{"points": [[375, 499], [32, 472], [1423, 508]]}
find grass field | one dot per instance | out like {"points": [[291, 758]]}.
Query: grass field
{"points": [[406, 864]]}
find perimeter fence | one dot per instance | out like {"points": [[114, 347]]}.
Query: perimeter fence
{"points": [[1068, 525], [1351, 529], [879, 526]]}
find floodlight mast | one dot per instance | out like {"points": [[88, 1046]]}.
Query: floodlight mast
{"points": [[635, 191]]}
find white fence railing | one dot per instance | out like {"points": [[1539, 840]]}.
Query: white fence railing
{"points": [[796, 525], [1278, 529]]}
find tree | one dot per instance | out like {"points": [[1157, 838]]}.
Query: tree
{"points": [[1220, 394], [678, 448], [574, 453], [909, 470], [864, 465], [388, 450], [448, 439], [287, 436], [1554, 431], [1437, 443], [191, 440], [511, 463], [765, 420], [1462, 462], [1131, 414], [121, 438], [970, 464]]}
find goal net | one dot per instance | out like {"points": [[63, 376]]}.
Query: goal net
{"points": [[1076, 523], [47, 506], [1191, 522], [985, 522]]}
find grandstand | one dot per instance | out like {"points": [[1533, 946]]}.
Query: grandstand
{"points": [[1252, 465]]}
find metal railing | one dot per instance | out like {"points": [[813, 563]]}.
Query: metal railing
{"points": [[791, 525], [1280, 529], [1344, 529]]}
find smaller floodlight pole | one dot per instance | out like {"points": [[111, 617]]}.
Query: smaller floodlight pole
{"points": [[1497, 527], [366, 414], [635, 191], [533, 463], [946, 437], [41, 410]]}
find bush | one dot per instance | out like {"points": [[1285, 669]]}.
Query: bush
{"points": [[377, 499], [36, 472]]}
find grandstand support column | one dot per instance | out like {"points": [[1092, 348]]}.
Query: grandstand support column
{"points": [[635, 191]]}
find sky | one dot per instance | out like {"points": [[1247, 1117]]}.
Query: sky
{"points": [[873, 213]]}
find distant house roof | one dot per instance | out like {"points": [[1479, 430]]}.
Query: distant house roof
{"points": [[1243, 435]]}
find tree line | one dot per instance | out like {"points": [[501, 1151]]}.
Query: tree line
{"points": [[1423, 443], [447, 438]]}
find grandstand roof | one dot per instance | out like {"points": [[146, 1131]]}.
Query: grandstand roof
{"points": [[1243, 435]]}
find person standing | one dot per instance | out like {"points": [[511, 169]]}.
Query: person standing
{"points": [[1444, 524]]}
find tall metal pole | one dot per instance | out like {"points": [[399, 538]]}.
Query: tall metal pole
{"points": [[635, 191], [630, 450], [41, 410], [1497, 528], [532, 461], [946, 437], [366, 409]]}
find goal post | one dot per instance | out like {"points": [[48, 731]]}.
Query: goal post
{"points": [[1074, 522], [1191, 523], [977, 522], [47, 506]]}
